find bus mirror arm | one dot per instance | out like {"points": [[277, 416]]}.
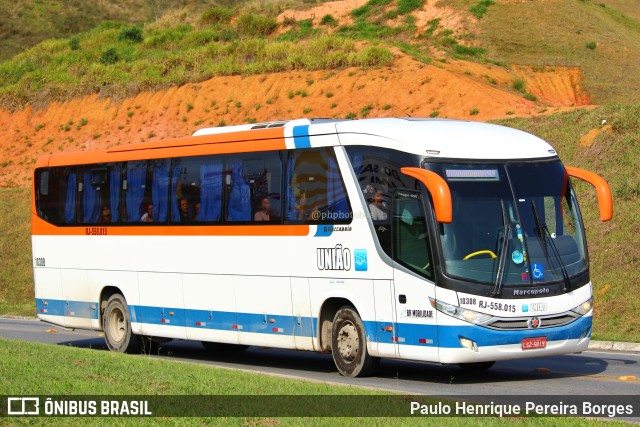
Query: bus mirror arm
{"points": [[605, 199], [439, 190]]}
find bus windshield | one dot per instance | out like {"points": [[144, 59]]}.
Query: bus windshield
{"points": [[513, 224]]}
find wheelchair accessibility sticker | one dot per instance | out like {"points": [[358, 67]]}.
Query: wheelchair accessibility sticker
{"points": [[538, 271]]}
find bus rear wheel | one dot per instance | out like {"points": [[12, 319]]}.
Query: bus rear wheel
{"points": [[116, 325], [349, 345]]}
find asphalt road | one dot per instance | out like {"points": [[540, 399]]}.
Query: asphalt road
{"points": [[589, 373]]}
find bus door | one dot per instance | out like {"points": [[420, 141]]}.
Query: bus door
{"points": [[416, 332]]}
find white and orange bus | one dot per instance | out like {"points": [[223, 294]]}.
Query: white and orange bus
{"points": [[429, 240]]}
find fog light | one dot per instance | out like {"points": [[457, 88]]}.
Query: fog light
{"points": [[585, 334], [467, 343]]}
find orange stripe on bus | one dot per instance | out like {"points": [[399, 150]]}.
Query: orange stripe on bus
{"points": [[226, 143], [39, 227]]}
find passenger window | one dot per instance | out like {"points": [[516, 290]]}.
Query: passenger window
{"points": [[146, 191], [316, 192], [253, 183], [99, 194], [56, 190], [196, 190]]}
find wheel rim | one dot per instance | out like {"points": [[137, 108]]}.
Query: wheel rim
{"points": [[348, 341], [117, 326]]}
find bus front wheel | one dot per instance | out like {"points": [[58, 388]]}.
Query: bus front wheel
{"points": [[117, 326], [349, 344]]}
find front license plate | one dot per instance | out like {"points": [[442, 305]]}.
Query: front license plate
{"points": [[533, 343]]}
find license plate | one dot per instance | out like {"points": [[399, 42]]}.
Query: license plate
{"points": [[533, 343]]}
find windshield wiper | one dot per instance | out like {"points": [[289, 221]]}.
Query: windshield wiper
{"points": [[506, 235], [543, 232]]}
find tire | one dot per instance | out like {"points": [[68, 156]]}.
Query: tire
{"points": [[349, 345], [218, 347], [117, 327], [476, 366]]}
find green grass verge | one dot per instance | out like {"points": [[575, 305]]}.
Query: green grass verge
{"points": [[16, 273], [50, 370]]}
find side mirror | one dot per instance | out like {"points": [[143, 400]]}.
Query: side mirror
{"points": [[439, 190], [605, 199]]}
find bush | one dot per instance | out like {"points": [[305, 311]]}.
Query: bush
{"points": [[591, 45], [131, 34], [407, 6], [255, 25], [74, 43], [216, 15], [109, 56], [468, 50], [329, 20], [519, 85], [374, 56], [480, 8]]}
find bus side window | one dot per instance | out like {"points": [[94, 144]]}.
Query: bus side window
{"points": [[196, 189], [56, 195], [411, 246], [99, 194], [315, 190], [264, 175], [253, 187]]}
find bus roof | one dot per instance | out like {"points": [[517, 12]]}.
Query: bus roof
{"points": [[443, 138], [438, 138], [451, 139]]}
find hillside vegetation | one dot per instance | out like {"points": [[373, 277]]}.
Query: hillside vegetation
{"points": [[161, 72], [194, 43], [603, 41], [25, 23]]}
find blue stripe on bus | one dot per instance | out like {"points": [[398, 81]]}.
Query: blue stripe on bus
{"points": [[446, 336], [78, 309], [224, 320], [443, 336], [301, 136]]}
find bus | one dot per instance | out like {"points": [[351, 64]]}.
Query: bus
{"points": [[430, 240]]}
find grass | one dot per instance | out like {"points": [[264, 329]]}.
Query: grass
{"points": [[42, 369], [117, 59], [16, 274], [479, 9], [156, 47], [567, 35]]}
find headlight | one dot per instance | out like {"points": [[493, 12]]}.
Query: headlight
{"points": [[460, 313], [584, 308]]}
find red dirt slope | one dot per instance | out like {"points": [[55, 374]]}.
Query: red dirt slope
{"points": [[456, 90]]}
